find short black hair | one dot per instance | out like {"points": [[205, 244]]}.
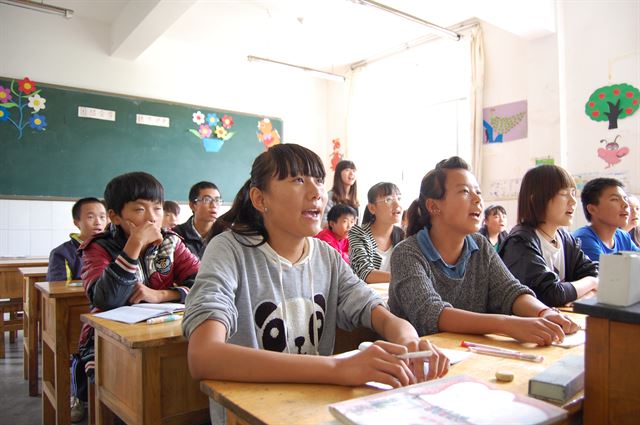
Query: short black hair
{"points": [[194, 192], [172, 207], [76, 210], [593, 189], [338, 210], [130, 187], [493, 209]]}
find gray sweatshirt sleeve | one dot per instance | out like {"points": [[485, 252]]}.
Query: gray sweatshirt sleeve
{"points": [[356, 300], [412, 295], [213, 293]]}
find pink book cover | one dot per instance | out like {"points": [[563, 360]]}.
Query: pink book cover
{"points": [[456, 399]]}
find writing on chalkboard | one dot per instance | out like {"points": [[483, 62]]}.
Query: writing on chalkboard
{"points": [[95, 113], [152, 120]]}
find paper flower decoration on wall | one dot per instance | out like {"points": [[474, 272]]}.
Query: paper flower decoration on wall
{"points": [[267, 135], [336, 155], [611, 103], [212, 130], [21, 107]]}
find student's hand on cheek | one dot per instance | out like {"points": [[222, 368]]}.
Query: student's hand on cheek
{"points": [[147, 233]]}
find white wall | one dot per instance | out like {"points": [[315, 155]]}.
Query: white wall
{"points": [[518, 69], [49, 49]]}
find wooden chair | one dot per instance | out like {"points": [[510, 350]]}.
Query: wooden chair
{"points": [[14, 324]]}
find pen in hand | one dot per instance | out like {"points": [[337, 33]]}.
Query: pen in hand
{"points": [[411, 355]]}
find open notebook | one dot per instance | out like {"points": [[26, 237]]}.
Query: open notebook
{"points": [[140, 312]]}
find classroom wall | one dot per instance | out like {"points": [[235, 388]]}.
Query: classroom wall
{"points": [[73, 53], [556, 74]]}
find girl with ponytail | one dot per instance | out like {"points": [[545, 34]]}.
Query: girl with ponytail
{"points": [[268, 292], [445, 277]]}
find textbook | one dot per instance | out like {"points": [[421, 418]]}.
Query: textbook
{"points": [[456, 399], [560, 381], [140, 312]]}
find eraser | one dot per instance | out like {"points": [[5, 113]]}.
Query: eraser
{"points": [[504, 376]]}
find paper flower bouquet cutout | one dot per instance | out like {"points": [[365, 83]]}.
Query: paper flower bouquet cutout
{"points": [[212, 130], [21, 106]]}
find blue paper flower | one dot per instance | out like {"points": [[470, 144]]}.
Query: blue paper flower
{"points": [[37, 122], [212, 119], [4, 114]]}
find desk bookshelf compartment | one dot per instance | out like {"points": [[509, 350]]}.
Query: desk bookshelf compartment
{"points": [[60, 333]]}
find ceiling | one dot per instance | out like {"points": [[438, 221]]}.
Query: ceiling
{"points": [[324, 34]]}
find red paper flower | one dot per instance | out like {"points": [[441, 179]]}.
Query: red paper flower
{"points": [[227, 121], [27, 86]]}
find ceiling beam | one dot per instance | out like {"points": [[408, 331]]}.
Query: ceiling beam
{"points": [[141, 23]]}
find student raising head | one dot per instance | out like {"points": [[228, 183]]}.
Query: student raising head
{"points": [[204, 201], [633, 226], [605, 206], [371, 245], [344, 190], [341, 218], [447, 278], [268, 291], [538, 251], [494, 225]]}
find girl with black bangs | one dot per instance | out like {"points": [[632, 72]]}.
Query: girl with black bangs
{"points": [[267, 290], [344, 189]]}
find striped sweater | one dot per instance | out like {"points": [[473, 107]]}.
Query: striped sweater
{"points": [[363, 252]]}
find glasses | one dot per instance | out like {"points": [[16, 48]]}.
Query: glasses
{"points": [[390, 200], [208, 200]]}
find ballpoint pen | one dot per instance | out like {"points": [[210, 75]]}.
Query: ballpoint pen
{"points": [[411, 355], [508, 354], [162, 319]]}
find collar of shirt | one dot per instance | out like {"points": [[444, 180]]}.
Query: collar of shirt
{"points": [[431, 253]]}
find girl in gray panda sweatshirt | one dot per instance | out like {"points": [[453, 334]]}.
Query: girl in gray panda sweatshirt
{"points": [[268, 297]]}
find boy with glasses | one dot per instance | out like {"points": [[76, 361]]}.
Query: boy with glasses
{"points": [[204, 201]]}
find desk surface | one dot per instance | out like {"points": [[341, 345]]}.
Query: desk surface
{"points": [[23, 261], [307, 403], [137, 335], [33, 271], [60, 289]]}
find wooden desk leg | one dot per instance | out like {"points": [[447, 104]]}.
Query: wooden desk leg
{"points": [[62, 370], [103, 415], [34, 338], [91, 395], [596, 356]]}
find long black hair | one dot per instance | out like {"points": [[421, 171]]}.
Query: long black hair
{"points": [[339, 194], [432, 187], [280, 161]]}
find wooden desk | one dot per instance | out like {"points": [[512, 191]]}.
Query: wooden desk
{"points": [[61, 307], [10, 277], [251, 403], [142, 374], [612, 375], [31, 320]]}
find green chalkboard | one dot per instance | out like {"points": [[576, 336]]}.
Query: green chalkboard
{"points": [[76, 157]]}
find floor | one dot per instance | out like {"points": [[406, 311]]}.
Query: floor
{"points": [[17, 407]]}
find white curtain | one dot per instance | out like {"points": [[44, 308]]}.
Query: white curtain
{"points": [[476, 97]]}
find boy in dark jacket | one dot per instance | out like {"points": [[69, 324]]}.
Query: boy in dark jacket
{"points": [[204, 201], [135, 260], [90, 216]]}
